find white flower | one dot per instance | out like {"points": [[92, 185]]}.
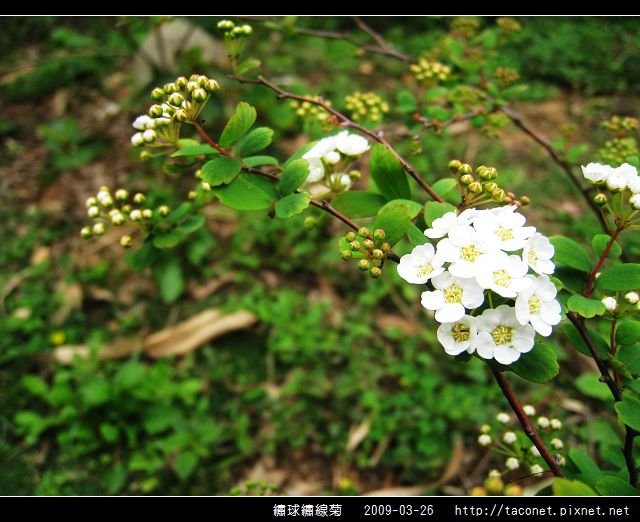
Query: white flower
{"points": [[494, 473], [610, 303], [509, 437], [632, 297], [528, 409], [534, 451], [484, 439], [543, 422], [537, 253], [635, 201], [504, 228], [316, 170], [512, 463], [536, 469], [93, 212], [332, 157], [501, 337], [463, 252], [144, 122], [557, 443], [502, 273], [451, 297], [149, 136], [351, 144], [321, 148], [616, 181], [459, 336], [537, 305], [596, 173], [555, 424], [630, 174], [441, 226], [503, 417], [420, 265], [137, 139]]}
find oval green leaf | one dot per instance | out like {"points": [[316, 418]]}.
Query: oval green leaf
{"points": [[244, 194], [628, 410], [620, 277], [388, 174], [238, 125], [255, 141], [569, 488], [628, 332], [293, 176], [539, 365], [220, 171], [585, 307], [358, 203], [600, 242], [570, 253], [292, 204]]}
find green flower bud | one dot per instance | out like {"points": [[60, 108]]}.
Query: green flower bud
{"points": [[350, 236], [157, 94], [225, 24], [363, 265], [180, 116], [467, 179], [310, 223], [355, 175], [346, 254], [126, 241], [126, 208], [493, 173], [498, 195], [355, 245], [139, 198], [379, 235], [375, 272], [155, 111], [475, 187], [211, 86], [513, 490], [145, 155], [117, 218], [377, 253], [454, 166], [192, 194], [181, 82], [176, 99], [386, 247], [135, 215], [481, 171], [494, 485], [205, 186], [164, 210], [121, 194], [363, 232], [147, 213], [247, 29], [98, 229], [85, 232], [489, 186], [170, 88], [93, 212], [199, 95], [600, 199], [368, 244], [478, 491], [465, 168], [191, 86], [91, 202]]}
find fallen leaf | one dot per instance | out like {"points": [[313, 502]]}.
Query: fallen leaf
{"points": [[357, 434]]}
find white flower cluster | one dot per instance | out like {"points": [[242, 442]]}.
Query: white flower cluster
{"points": [[329, 158], [479, 253], [624, 177]]}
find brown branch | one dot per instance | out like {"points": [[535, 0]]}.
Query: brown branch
{"points": [[629, 436], [377, 37], [345, 122], [592, 276], [438, 125], [526, 423], [562, 163], [208, 139]]}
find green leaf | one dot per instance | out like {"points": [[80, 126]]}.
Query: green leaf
{"points": [[221, 170], [620, 277], [628, 332], [395, 217], [416, 236], [167, 239], [571, 488], [186, 464], [115, 478], [109, 432], [130, 375], [574, 337], [388, 174], [292, 204], [576, 152], [434, 93], [158, 418], [293, 176], [358, 203], [437, 113], [95, 393], [35, 385], [238, 125], [434, 210], [611, 486], [589, 471], [539, 365], [628, 410], [143, 257], [244, 194], [202, 149], [599, 243], [168, 275], [405, 102], [255, 141], [256, 161], [629, 355], [248, 65], [590, 385], [177, 214], [585, 307], [570, 253], [447, 188], [190, 225]]}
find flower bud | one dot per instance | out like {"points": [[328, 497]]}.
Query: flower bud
{"points": [[310, 223], [378, 254], [85, 232], [475, 187], [524, 201], [498, 195], [355, 175], [485, 428], [529, 410], [482, 172], [512, 463], [147, 213], [385, 247], [157, 94], [170, 88], [555, 424], [534, 451], [181, 82], [126, 208], [477, 491], [363, 232], [632, 297], [126, 241], [543, 422], [211, 85], [494, 485], [191, 86], [164, 210], [117, 218], [375, 272], [467, 179], [91, 202], [135, 215], [106, 201], [247, 29], [509, 437], [378, 234], [192, 194], [121, 194], [368, 244], [149, 136], [180, 116], [331, 157], [513, 490], [155, 111], [536, 469], [176, 99], [465, 168], [139, 198], [485, 440], [346, 254], [454, 166], [350, 236], [137, 139], [489, 186], [363, 265], [199, 94], [610, 303], [355, 245], [557, 444], [93, 212], [503, 417], [635, 201], [98, 229], [225, 24]]}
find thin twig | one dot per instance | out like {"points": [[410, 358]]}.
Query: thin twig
{"points": [[526, 423], [345, 122], [592, 276], [377, 37]]}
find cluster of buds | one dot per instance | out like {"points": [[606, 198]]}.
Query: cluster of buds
{"points": [[508, 25], [494, 123], [118, 209], [621, 126], [370, 251], [617, 150], [366, 106], [180, 101], [506, 76], [310, 112], [482, 188], [516, 450], [466, 96], [464, 27], [430, 72], [233, 31], [631, 304]]}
